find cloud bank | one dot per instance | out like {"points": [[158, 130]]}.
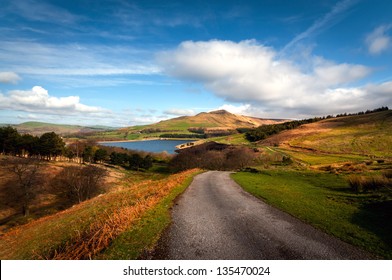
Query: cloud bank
{"points": [[250, 73], [179, 112], [38, 100]]}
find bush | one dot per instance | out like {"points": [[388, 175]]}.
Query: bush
{"points": [[287, 160], [213, 156]]}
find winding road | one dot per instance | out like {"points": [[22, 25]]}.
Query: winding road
{"points": [[216, 219]]}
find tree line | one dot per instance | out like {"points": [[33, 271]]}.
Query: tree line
{"points": [[47, 146], [381, 109], [264, 131], [50, 146]]}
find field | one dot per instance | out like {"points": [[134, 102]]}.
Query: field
{"points": [[325, 201], [368, 135]]}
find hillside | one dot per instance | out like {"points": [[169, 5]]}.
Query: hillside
{"points": [[39, 128], [214, 119], [212, 123], [215, 123], [363, 135]]}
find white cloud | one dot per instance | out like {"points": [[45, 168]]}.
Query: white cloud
{"points": [[9, 78], [379, 41], [244, 109], [179, 112], [250, 73], [38, 100]]}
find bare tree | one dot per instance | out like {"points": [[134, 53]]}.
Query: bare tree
{"points": [[26, 172], [80, 183]]}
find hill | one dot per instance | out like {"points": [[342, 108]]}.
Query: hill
{"points": [[39, 128], [368, 135], [202, 125], [215, 119]]}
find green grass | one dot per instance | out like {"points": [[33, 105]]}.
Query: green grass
{"points": [[144, 235], [312, 158], [234, 139], [369, 134], [326, 202]]}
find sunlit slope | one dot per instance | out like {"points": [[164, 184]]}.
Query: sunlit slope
{"points": [[215, 119], [369, 135]]}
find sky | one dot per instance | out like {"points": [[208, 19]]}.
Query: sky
{"points": [[124, 63]]}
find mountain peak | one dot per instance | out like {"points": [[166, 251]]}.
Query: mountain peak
{"points": [[220, 112]]}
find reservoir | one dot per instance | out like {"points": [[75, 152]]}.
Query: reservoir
{"points": [[155, 146]]}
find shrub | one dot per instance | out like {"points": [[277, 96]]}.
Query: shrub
{"points": [[364, 184], [287, 160], [213, 156]]}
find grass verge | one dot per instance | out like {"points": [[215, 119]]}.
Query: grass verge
{"points": [[326, 202], [141, 238]]}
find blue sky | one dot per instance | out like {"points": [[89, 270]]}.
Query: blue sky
{"points": [[123, 63]]}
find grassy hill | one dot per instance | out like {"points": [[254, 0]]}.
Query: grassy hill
{"points": [[39, 128], [214, 119], [347, 138], [217, 122]]}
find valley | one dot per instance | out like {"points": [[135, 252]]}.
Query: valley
{"points": [[334, 174]]}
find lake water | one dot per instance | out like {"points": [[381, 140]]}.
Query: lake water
{"points": [[155, 146]]}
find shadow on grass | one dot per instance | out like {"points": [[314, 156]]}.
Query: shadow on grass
{"points": [[36, 212], [376, 217]]}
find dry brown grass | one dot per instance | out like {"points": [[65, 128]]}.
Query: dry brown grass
{"points": [[48, 199], [85, 230], [102, 232], [361, 183], [284, 137]]}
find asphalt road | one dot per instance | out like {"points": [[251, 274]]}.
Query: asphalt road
{"points": [[216, 219]]}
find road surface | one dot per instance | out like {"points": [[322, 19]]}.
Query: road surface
{"points": [[216, 219]]}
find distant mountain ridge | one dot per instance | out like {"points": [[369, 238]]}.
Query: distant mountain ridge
{"points": [[39, 128], [208, 122]]}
